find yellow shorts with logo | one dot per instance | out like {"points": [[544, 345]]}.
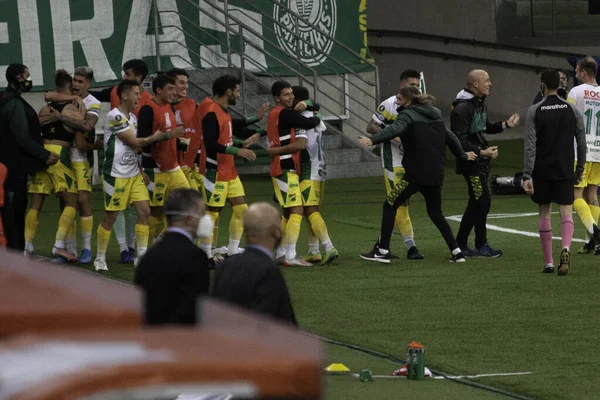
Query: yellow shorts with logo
{"points": [[392, 178], [83, 176], [287, 189], [162, 183], [194, 178], [591, 174], [312, 192], [217, 192], [57, 178], [119, 193]]}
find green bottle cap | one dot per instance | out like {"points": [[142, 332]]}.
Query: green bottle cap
{"points": [[365, 376]]}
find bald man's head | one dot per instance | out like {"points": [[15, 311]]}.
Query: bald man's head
{"points": [[478, 82], [261, 222]]}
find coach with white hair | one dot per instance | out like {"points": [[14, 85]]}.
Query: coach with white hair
{"points": [[174, 272]]}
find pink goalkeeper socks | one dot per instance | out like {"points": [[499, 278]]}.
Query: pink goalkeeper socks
{"points": [[566, 230], [546, 238]]}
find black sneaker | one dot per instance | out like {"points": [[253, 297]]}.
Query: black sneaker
{"points": [[548, 269], [486, 251], [414, 254], [587, 248], [394, 256], [376, 256], [565, 262], [469, 252], [459, 258]]}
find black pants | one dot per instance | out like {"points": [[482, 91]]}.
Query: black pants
{"points": [[476, 212], [13, 213], [401, 192]]}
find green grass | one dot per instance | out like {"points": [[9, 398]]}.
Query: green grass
{"points": [[484, 316]]}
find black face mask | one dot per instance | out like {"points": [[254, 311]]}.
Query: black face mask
{"points": [[26, 85]]}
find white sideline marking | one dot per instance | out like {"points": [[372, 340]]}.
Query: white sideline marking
{"points": [[454, 376], [458, 218]]}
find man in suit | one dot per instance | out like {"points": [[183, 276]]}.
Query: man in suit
{"points": [[252, 279], [174, 272]]}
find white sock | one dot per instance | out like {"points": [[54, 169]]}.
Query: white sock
{"points": [[383, 251], [313, 247], [131, 241], [290, 251], [59, 244], [280, 252], [207, 249], [233, 247], [328, 245], [455, 251], [87, 241], [409, 241], [140, 251], [123, 246], [71, 246], [101, 256]]}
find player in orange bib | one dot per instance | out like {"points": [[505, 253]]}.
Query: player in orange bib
{"points": [[159, 160], [221, 180], [285, 166]]}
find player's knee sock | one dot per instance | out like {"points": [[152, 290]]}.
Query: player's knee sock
{"points": [[142, 234], [71, 238], [546, 239], [320, 228], [152, 229], [405, 226], [64, 224], [281, 249], [206, 244], [236, 228], [102, 239], [292, 231], [161, 225], [566, 230], [132, 217], [87, 224], [119, 228], [313, 242], [585, 214], [595, 210], [215, 237], [31, 224]]}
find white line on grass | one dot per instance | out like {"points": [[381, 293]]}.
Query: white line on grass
{"points": [[454, 376], [457, 218]]}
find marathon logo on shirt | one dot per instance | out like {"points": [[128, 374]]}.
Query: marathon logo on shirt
{"points": [[554, 107]]}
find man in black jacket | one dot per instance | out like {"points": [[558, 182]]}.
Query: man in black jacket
{"points": [[252, 279], [469, 122], [21, 151], [174, 272]]}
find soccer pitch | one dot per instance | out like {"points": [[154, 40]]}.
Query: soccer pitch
{"points": [[481, 317]]}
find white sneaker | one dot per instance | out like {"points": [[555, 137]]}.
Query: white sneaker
{"points": [[296, 262], [221, 250], [100, 264], [29, 250]]}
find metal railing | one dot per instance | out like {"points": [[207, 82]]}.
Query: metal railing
{"points": [[292, 65]]}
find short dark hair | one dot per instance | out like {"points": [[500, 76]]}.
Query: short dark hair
{"points": [[161, 81], [138, 66], [551, 79], [224, 83], [300, 93], [181, 201], [14, 70], [175, 72], [409, 73], [589, 65], [62, 79], [278, 87], [125, 86]]}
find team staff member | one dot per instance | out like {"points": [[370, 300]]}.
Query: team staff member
{"points": [[21, 151], [160, 160], [59, 178], [121, 174], [552, 124], [586, 98], [82, 81], [391, 159], [221, 180], [284, 148], [424, 137], [469, 122]]}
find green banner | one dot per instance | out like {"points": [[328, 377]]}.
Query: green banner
{"points": [[50, 34]]}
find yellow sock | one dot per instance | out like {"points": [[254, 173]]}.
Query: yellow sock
{"points": [[142, 234], [64, 224], [281, 248], [236, 228], [102, 239], [31, 224], [292, 231], [319, 227], [72, 233], [313, 242], [403, 221], [585, 214], [152, 229], [215, 238], [595, 210], [87, 225], [161, 225]]}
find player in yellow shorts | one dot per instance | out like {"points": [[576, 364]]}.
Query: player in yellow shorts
{"points": [[58, 179], [123, 183]]}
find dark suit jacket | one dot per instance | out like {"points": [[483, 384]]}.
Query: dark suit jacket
{"points": [[173, 274], [253, 280]]}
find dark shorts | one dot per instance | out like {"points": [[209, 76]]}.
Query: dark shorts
{"points": [[559, 192]]}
